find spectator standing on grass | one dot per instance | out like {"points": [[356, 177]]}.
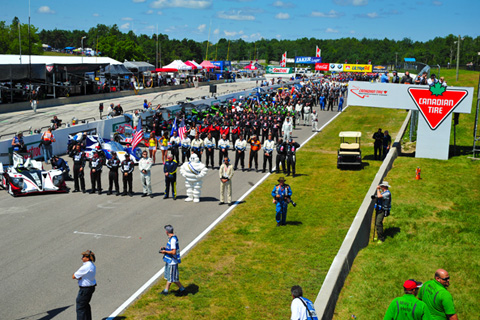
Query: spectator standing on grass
{"points": [[378, 144], [281, 194], [383, 206], [302, 308], [387, 143], [171, 256], [87, 283], [408, 307], [437, 298]]}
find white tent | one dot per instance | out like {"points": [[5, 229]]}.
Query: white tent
{"points": [[179, 65], [199, 67]]}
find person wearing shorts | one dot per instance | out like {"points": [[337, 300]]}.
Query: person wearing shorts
{"points": [[164, 146], [171, 256], [152, 146]]}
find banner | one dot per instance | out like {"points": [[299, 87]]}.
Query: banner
{"points": [[336, 67], [322, 66], [283, 62], [379, 68], [318, 52], [278, 70], [357, 68], [308, 60]]}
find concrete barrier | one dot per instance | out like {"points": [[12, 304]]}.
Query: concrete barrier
{"points": [[357, 237]]}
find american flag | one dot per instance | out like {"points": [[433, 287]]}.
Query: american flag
{"points": [[182, 129], [138, 135]]}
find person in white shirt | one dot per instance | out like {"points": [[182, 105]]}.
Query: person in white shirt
{"points": [[223, 146], [197, 146], [268, 147], [314, 121], [145, 166], [87, 283], [186, 142], [175, 143], [302, 308], [240, 147], [209, 144], [306, 114], [287, 129]]}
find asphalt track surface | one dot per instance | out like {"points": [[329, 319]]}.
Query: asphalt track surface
{"points": [[42, 236]]}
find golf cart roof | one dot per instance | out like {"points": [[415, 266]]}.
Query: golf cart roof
{"points": [[350, 134]]}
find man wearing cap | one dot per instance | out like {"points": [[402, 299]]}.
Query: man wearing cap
{"points": [[408, 307], [127, 167], [437, 298], [171, 256], [384, 202], [226, 174], [170, 170], [384, 78], [145, 165], [281, 194]]}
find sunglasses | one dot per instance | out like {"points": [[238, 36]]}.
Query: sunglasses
{"points": [[445, 279]]}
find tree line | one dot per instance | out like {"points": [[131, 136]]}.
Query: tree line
{"points": [[112, 42]]}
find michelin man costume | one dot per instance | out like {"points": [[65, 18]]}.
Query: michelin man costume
{"points": [[193, 171]]}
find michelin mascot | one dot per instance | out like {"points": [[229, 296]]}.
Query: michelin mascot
{"points": [[193, 171]]}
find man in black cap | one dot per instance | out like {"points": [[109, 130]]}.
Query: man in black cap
{"points": [[281, 194]]}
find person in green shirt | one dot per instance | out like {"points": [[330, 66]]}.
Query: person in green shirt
{"points": [[438, 300], [408, 307]]}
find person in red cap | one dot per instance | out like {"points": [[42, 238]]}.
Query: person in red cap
{"points": [[408, 307]]}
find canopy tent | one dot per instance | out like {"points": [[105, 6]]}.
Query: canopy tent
{"points": [[194, 65], [251, 67], [179, 65], [77, 68], [208, 65], [15, 72], [69, 48], [138, 66], [166, 70], [116, 70]]}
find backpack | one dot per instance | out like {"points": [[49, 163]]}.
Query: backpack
{"points": [[311, 313]]}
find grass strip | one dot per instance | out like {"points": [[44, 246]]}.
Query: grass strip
{"points": [[245, 267], [434, 224]]}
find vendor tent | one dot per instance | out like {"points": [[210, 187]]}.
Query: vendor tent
{"points": [[116, 70], [208, 65], [179, 65], [166, 70], [138, 66], [194, 65]]}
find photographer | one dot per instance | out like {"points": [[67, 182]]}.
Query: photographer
{"points": [[281, 194], [382, 207]]}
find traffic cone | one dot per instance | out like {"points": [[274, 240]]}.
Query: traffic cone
{"points": [[417, 173]]}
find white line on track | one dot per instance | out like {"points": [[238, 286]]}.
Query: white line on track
{"points": [[203, 234], [99, 235]]}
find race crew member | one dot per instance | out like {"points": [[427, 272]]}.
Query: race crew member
{"points": [[268, 147], [170, 170], [60, 164], [175, 143], [96, 165], [314, 121], [291, 158], [281, 156], [240, 146], [79, 160], [145, 165], [18, 145], [46, 142], [223, 146], [113, 164], [225, 131], [197, 146], [127, 167], [209, 143], [281, 194], [255, 145], [408, 307], [186, 143]]}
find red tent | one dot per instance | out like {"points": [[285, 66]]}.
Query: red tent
{"points": [[188, 63], [166, 70], [208, 65]]}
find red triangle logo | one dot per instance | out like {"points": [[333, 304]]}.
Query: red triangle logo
{"points": [[436, 108]]}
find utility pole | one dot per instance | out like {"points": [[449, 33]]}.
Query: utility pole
{"points": [[396, 57], [156, 49], [458, 54], [19, 41]]}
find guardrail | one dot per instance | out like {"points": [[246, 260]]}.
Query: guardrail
{"points": [[357, 237]]}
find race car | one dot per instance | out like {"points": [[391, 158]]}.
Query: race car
{"points": [[26, 177]]}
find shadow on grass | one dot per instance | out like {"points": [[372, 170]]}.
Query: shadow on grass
{"points": [[293, 223], [391, 232], [456, 151], [297, 175], [408, 154], [50, 314], [190, 289]]}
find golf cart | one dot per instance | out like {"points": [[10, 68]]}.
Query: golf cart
{"points": [[349, 153]]}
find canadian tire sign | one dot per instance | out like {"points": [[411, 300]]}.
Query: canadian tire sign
{"points": [[437, 102]]}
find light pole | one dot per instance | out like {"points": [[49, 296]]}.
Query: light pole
{"points": [[82, 47], [458, 53]]}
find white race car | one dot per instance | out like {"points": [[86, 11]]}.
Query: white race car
{"points": [[26, 177]]}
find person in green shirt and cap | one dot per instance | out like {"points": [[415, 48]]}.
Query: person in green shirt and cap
{"points": [[438, 300], [408, 307]]}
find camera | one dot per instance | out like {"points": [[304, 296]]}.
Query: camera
{"points": [[161, 249]]}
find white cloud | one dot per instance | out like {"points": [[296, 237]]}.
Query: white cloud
{"points": [[201, 28], [216, 31], [352, 31], [244, 37], [127, 19], [238, 15], [125, 26], [139, 1], [330, 30], [159, 13], [281, 4], [372, 15], [45, 9], [149, 11], [437, 3], [356, 3], [232, 33], [282, 16], [96, 15], [278, 36], [331, 14], [189, 4]]}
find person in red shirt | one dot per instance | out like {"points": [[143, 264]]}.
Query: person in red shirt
{"points": [[255, 145]]}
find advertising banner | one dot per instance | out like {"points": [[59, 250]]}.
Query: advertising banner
{"points": [[308, 60], [379, 68], [357, 68], [336, 67], [322, 66], [276, 70]]}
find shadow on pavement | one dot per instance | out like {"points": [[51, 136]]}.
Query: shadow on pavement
{"points": [[50, 314]]}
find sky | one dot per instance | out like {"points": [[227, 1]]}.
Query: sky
{"points": [[251, 20]]}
